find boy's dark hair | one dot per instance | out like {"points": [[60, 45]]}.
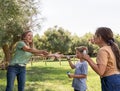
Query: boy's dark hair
{"points": [[81, 49]]}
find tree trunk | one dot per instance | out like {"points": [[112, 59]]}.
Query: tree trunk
{"points": [[7, 53], [7, 57]]}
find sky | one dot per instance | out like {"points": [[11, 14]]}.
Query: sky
{"points": [[81, 16]]}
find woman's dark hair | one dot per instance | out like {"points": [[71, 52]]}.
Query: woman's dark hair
{"points": [[107, 35], [23, 37], [24, 34]]}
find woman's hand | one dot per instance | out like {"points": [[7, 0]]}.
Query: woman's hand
{"points": [[86, 57], [45, 53], [57, 55]]}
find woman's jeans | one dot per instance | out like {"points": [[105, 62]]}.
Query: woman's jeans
{"points": [[111, 83], [12, 72]]}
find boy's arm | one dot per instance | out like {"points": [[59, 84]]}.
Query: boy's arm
{"points": [[77, 76], [70, 63]]}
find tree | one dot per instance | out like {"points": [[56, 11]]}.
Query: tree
{"points": [[75, 42], [117, 39], [92, 49], [83, 41], [16, 16], [55, 39]]}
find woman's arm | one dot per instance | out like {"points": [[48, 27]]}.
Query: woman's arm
{"points": [[98, 68], [34, 51]]}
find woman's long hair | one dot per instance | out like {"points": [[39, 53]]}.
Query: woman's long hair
{"points": [[107, 36], [23, 38]]}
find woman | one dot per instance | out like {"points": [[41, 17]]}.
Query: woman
{"points": [[108, 59], [17, 66]]}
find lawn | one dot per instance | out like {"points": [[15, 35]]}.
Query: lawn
{"points": [[51, 77]]}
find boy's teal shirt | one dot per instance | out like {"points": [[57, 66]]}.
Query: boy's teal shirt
{"points": [[20, 56]]}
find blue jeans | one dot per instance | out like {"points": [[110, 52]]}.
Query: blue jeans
{"points": [[111, 83], [12, 72], [78, 90]]}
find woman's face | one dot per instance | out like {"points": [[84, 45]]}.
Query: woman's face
{"points": [[97, 40], [29, 37]]}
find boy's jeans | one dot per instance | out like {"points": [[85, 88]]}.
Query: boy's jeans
{"points": [[12, 72]]}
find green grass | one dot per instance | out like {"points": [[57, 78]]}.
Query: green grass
{"points": [[51, 77]]}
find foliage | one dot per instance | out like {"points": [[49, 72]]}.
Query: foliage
{"points": [[55, 40], [117, 39], [17, 16], [9, 21], [75, 42]]}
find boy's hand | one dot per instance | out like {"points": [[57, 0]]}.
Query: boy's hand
{"points": [[71, 75]]}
